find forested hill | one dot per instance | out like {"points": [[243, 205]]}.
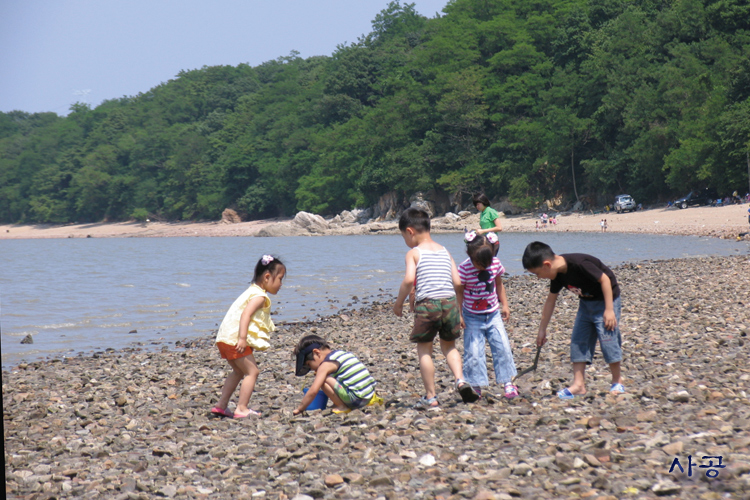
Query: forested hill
{"points": [[531, 99]]}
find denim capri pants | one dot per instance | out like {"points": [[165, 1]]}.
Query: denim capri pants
{"points": [[482, 329], [589, 327]]}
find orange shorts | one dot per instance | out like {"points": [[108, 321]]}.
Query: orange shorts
{"points": [[230, 351]]}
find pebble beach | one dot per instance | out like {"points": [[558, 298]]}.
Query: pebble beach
{"points": [[136, 424]]}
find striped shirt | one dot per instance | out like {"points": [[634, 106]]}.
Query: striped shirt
{"points": [[352, 374], [480, 296], [434, 275]]}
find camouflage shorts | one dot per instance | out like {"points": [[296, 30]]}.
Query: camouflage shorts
{"points": [[436, 316]]}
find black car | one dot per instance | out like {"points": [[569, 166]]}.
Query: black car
{"points": [[696, 197]]}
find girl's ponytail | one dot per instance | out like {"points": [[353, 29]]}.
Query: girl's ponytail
{"points": [[267, 263], [479, 249]]}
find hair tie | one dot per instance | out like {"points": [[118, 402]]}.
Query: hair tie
{"points": [[469, 236], [266, 259], [491, 237]]}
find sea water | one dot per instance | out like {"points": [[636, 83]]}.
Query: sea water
{"points": [[84, 295]]}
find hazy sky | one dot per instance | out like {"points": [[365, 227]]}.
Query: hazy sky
{"points": [[53, 51]]}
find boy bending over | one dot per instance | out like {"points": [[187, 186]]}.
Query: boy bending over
{"points": [[598, 310]]}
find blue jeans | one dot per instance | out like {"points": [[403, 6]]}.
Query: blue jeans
{"points": [[589, 327], [480, 328]]}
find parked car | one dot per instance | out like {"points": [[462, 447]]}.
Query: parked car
{"points": [[624, 203], [696, 197]]}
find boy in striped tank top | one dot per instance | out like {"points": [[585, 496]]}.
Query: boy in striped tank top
{"points": [[343, 378], [431, 269]]}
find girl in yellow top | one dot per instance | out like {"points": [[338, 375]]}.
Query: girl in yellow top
{"points": [[246, 328]]}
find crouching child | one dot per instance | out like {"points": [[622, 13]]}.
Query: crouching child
{"points": [[341, 376]]}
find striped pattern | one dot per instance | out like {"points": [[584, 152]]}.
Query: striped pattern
{"points": [[480, 296], [352, 374], [434, 276]]}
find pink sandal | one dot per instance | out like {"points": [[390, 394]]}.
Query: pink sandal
{"points": [[251, 412], [223, 412]]}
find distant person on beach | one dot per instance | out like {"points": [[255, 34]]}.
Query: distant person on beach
{"points": [[598, 310], [489, 219], [605, 225], [436, 311], [537, 225], [485, 308], [341, 376], [246, 328], [601, 225]]}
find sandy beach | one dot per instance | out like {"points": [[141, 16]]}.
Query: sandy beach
{"points": [[723, 222]]}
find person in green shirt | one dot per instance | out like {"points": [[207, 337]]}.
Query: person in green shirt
{"points": [[489, 220]]}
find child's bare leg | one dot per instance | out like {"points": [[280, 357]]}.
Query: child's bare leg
{"points": [[230, 384], [614, 368], [328, 389], [579, 384], [426, 368], [248, 366], [452, 357]]}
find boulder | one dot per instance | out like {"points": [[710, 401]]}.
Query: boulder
{"points": [[417, 200], [229, 216], [287, 228], [311, 222], [347, 216], [362, 216]]}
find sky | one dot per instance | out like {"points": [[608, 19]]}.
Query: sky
{"points": [[54, 53]]}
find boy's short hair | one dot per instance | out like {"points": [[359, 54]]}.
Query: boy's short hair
{"points": [[303, 350], [535, 254], [416, 219], [481, 198]]}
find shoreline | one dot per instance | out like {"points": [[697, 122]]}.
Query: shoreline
{"points": [[136, 424], [722, 222]]}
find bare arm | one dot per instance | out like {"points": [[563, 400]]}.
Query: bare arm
{"points": [[547, 310], [610, 320], [321, 374], [252, 306], [502, 298], [459, 288], [411, 274]]}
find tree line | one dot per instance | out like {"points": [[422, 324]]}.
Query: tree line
{"points": [[530, 99]]}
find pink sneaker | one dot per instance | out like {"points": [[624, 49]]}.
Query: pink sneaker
{"points": [[511, 391]]}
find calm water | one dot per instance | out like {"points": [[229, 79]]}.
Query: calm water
{"points": [[83, 295]]}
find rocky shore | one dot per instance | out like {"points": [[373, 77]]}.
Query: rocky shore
{"points": [[136, 424], [722, 222]]}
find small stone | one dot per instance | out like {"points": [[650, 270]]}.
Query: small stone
{"points": [[679, 397], [646, 416], [354, 478], [673, 448], [28, 339], [592, 460], [521, 469], [664, 488], [427, 460], [333, 480], [570, 480], [381, 481]]}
